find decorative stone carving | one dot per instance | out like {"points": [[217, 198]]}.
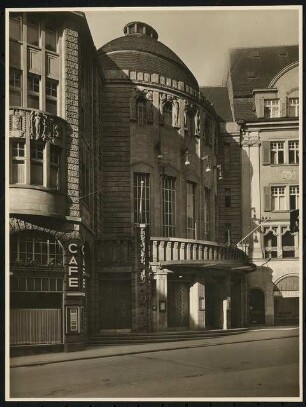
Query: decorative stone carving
{"points": [[142, 252], [176, 113], [44, 127], [287, 175], [197, 124], [162, 101], [250, 139], [149, 97], [17, 123]]}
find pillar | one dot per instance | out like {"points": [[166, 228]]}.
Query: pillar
{"points": [[161, 300], [226, 303], [197, 306]]}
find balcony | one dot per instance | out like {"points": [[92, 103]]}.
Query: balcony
{"points": [[175, 251]]}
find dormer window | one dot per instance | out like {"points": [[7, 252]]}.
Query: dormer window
{"points": [[141, 111], [272, 108], [293, 108]]}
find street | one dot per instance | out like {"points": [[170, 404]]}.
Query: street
{"points": [[260, 366]]}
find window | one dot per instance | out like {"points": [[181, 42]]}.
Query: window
{"points": [[40, 250], [191, 221], [277, 152], [278, 198], [15, 87], [51, 96], [271, 108], [206, 213], [294, 197], [167, 111], [293, 108], [141, 197], [270, 243], [15, 28], [18, 162], [50, 39], [33, 32], [15, 55], [33, 91], [293, 152], [228, 234], [141, 111], [288, 246], [55, 155], [168, 196], [37, 160], [227, 198]]}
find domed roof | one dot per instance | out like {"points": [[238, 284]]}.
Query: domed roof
{"points": [[139, 50]]}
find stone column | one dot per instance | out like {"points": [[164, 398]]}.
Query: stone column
{"points": [[161, 300], [226, 303], [197, 305]]}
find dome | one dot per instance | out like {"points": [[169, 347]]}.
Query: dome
{"points": [[139, 50]]}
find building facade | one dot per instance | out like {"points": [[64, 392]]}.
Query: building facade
{"points": [[129, 188], [260, 114]]}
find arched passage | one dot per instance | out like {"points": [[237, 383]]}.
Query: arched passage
{"points": [[286, 300]]}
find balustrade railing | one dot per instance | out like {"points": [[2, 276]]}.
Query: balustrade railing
{"points": [[174, 249]]}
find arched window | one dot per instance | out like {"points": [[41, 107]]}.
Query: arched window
{"points": [[167, 111], [270, 242], [141, 111], [288, 245], [27, 248]]}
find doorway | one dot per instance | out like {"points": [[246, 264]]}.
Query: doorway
{"points": [[257, 306], [178, 304]]}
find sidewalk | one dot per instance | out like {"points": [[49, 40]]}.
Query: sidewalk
{"points": [[250, 335]]}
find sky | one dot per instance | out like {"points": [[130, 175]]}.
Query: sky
{"points": [[202, 37]]}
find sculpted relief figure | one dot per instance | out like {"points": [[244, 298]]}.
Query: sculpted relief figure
{"points": [[149, 97], [176, 113], [197, 123]]}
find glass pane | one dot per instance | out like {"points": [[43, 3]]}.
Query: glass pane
{"points": [[54, 181], [33, 34], [15, 55], [17, 176], [50, 38], [15, 28], [15, 98], [280, 157], [33, 101], [36, 173], [51, 106]]}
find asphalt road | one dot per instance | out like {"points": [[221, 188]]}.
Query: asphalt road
{"points": [[261, 368]]}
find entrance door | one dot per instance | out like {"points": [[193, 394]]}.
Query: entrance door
{"points": [[257, 306], [178, 305], [115, 304]]}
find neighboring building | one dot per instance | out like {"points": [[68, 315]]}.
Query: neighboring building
{"points": [[263, 118], [54, 136]]}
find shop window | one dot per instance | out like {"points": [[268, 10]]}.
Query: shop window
{"points": [[33, 32], [37, 161], [30, 249], [51, 96], [270, 243], [293, 107], [50, 39], [294, 197], [15, 87], [55, 158], [167, 112], [15, 28], [278, 198], [191, 207], [293, 152], [288, 246], [141, 197], [33, 91], [271, 108], [277, 152], [168, 196], [18, 162], [141, 111], [227, 198]]}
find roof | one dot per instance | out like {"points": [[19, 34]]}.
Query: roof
{"points": [[254, 68], [139, 52], [218, 96]]}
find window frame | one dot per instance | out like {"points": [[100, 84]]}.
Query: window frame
{"points": [[141, 111], [167, 114], [18, 159], [272, 111], [294, 147], [277, 150], [13, 89], [31, 92], [276, 197], [295, 106], [294, 191], [146, 197], [169, 206], [191, 204]]}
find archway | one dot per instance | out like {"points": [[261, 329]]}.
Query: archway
{"points": [[257, 306], [286, 300]]}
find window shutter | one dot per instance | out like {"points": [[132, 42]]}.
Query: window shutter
{"points": [[267, 197], [261, 107], [266, 156]]}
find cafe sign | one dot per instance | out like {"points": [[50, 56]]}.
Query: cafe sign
{"points": [[76, 267]]}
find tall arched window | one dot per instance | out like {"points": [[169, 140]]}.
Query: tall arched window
{"points": [[167, 111], [141, 111], [27, 248]]}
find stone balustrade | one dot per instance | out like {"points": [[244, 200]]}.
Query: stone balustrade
{"points": [[174, 249]]}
